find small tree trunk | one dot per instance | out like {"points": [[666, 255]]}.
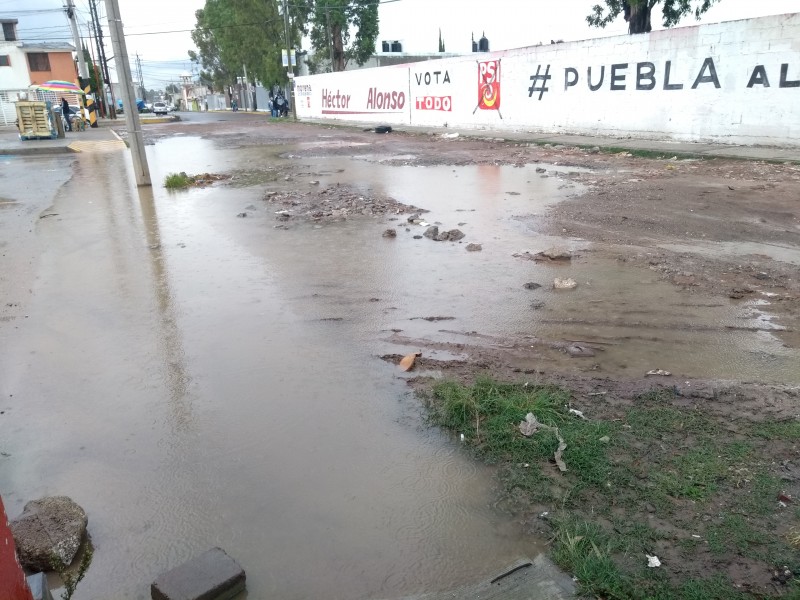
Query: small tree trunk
{"points": [[637, 14], [338, 47]]}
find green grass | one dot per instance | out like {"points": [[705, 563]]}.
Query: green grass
{"points": [[178, 181], [679, 462]]}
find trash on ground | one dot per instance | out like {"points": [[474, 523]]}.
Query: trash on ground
{"points": [[577, 413], [449, 136], [565, 284], [407, 363], [660, 372], [604, 440], [652, 561], [531, 425]]}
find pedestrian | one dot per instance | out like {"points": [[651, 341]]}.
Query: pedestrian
{"points": [[280, 103], [66, 111], [234, 105]]}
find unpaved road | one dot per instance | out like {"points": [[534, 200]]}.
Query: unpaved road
{"points": [[667, 252]]}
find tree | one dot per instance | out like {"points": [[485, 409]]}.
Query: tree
{"points": [[343, 30], [441, 41], [637, 12], [231, 35]]}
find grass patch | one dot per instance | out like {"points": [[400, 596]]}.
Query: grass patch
{"points": [[713, 494], [178, 181]]}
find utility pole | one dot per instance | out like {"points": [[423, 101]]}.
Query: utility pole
{"points": [[83, 71], [246, 88], [141, 78], [101, 54], [135, 137], [289, 71]]}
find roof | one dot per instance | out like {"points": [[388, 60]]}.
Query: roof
{"points": [[47, 47]]}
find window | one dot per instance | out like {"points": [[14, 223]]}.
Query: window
{"points": [[4, 62], [39, 61], [9, 32]]}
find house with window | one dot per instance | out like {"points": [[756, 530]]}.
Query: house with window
{"points": [[24, 64]]}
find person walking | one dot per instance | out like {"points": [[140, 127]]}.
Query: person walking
{"points": [[66, 111]]}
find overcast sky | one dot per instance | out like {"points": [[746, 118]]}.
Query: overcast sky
{"points": [[507, 24]]}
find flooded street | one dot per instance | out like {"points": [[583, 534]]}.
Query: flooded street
{"points": [[204, 399], [195, 379]]}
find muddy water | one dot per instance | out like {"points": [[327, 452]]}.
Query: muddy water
{"points": [[217, 383], [188, 392]]}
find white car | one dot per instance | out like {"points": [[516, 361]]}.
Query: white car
{"points": [[159, 108]]}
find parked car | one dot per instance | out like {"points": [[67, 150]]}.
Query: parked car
{"points": [[160, 108]]}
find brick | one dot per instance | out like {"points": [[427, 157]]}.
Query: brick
{"points": [[211, 576]]}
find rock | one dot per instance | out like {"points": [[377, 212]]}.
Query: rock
{"points": [[443, 236], [594, 150], [531, 286], [554, 254], [604, 440], [242, 215], [455, 235], [390, 233], [649, 507], [211, 576], [541, 170], [579, 350], [414, 217], [564, 284], [417, 237], [431, 232], [49, 528], [474, 247]]}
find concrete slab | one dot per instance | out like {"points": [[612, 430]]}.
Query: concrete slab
{"points": [[538, 579], [211, 576], [38, 585]]}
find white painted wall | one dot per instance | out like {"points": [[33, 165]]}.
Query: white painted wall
{"points": [[716, 90], [15, 77]]}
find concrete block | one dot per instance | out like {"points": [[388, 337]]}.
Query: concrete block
{"points": [[38, 585], [211, 576]]}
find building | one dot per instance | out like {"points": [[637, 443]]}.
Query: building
{"points": [[24, 64]]}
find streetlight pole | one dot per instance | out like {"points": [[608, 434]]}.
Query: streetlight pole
{"points": [[135, 137]]}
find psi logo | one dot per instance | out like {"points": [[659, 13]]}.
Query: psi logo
{"points": [[489, 85]]}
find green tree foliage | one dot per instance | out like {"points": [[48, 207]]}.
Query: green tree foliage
{"points": [[637, 12], [441, 41], [232, 34], [341, 30]]}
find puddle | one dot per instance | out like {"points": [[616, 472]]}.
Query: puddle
{"points": [[203, 401]]}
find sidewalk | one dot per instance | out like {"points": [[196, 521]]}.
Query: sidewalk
{"points": [[10, 144], [665, 147]]}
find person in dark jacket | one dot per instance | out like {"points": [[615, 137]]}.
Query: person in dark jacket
{"points": [[66, 111]]}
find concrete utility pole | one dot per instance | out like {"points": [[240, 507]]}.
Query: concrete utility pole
{"points": [[246, 88], [135, 137], [289, 71], [101, 52], [83, 71]]}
